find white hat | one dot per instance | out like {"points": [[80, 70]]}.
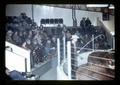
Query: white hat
{"points": [[74, 37]]}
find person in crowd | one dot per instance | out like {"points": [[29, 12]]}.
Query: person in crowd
{"points": [[35, 52], [17, 40], [91, 29], [9, 36], [59, 31], [23, 15], [41, 28], [30, 35], [27, 44], [87, 24], [82, 24], [77, 33], [48, 47], [54, 42], [15, 75], [38, 37], [25, 35], [68, 35]]}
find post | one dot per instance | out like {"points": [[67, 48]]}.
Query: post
{"points": [[26, 65], [69, 59], [58, 50], [113, 42], [64, 50], [93, 44]]}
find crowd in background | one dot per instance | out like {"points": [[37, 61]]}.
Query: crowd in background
{"points": [[24, 32]]}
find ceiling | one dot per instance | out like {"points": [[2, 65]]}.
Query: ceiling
{"points": [[80, 7]]}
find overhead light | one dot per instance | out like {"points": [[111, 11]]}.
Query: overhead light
{"points": [[97, 5], [113, 33], [111, 7]]}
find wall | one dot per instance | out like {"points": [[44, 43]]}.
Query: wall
{"points": [[110, 25], [92, 16], [21, 52], [14, 62], [16, 9], [41, 11]]}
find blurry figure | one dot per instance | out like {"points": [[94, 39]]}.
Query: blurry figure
{"points": [[54, 42], [87, 22], [87, 25], [48, 47], [9, 36], [82, 24], [30, 34], [15, 75], [27, 44], [17, 40], [59, 31], [77, 33], [68, 35]]}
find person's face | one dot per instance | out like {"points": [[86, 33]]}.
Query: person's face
{"points": [[54, 39], [48, 41], [10, 34]]}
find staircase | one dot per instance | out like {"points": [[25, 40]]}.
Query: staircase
{"points": [[98, 67]]}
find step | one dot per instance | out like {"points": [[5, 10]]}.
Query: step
{"points": [[93, 72], [100, 60]]}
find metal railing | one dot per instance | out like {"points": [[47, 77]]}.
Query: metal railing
{"points": [[70, 65], [91, 41]]}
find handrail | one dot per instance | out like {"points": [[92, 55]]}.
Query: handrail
{"points": [[90, 42]]}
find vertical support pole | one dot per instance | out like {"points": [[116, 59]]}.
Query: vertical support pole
{"points": [[113, 42], [28, 62], [26, 65], [58, 50], [69, 59], [64, 50], [93, 44]]}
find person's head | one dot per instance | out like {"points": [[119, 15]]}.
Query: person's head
{"points": [[87, 18], [10, 33], [83, 18], [41, 27], [28, 41], [7, 71], [35, 42], [53, 39]]}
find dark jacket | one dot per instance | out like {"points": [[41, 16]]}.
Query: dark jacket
{"points": [[15, 75]]}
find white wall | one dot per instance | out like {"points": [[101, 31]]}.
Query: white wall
{"points": [[14, 62], [19, 51], [92, 16], [16, 9], [110, 25], [41, 11]]}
